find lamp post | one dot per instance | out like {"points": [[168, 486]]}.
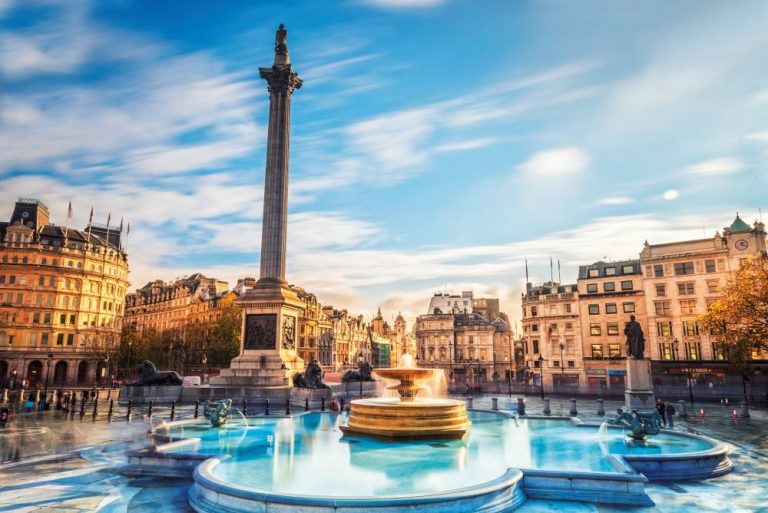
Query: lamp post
{"points": [[128, 370], [541, 375], [690, 384], [47, 376], [360, 367]]}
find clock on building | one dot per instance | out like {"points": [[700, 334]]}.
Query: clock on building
{"points": [[742, 244], [25, 215]]}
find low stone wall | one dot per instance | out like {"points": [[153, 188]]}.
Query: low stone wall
{"points": [[165, 394], [597, 487]]}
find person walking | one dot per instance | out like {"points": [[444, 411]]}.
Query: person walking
{"points": [[662, 411], [670, 411]]}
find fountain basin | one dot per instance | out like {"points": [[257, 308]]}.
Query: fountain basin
{"points": [[389, 418]]}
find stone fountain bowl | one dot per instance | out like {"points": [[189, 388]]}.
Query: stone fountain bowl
{"points": [[411, 374]]}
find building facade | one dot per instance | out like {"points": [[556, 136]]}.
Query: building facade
{"points": [[62, 294], [609, 293], [552, 336]]}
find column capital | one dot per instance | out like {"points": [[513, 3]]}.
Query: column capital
{"points": [[281, 79]]}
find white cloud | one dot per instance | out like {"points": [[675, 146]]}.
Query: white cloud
{"points": [[556, 163], [470, 144], [616, 200], [670, 195], [716, 167], [761, 137]]}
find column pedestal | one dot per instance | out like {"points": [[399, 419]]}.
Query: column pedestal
{"points": [[268, 355], [639, 392]]}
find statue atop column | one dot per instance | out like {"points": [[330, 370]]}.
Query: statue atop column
{"points": [[635, 338], [281, 36]]}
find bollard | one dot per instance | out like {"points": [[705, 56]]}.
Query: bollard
{"points": [[521, 406], [547, 410], [322, 404], [573, 411], [600, 407], [173, 410], [306, 404], [266, 407], [494, 403], [130, 407], [73, 405], [95, 408], [470, 403], [197, 408], [744, 409], [109, 394], [149, 412], [82, 409], [287, 406], [245, 407], [109, 413], [682, 411]]}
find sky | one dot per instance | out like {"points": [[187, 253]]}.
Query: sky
{"points": [[436, 144]]}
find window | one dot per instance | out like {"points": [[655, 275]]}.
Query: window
{"points": [[19, 298], [70, 339], [664, 328], [571, 363], [662, 307], [591, 287], [12, 279], [628, 269], [613, 328], [597, 350], [685, 289], [693, 351], [555, 363], [33, 339], [614, 350], [661, 290], [682, 268], [709, 265], [534, 327], [718, 351], [594, 329], [72, 319], [60, 339], [593, 273], [567, 308], [687, 306], [47, 318], [536, 364], [36, 318], [534, 311], [41, 281], [535, 346], [628, 307], [609, 286], [44, 339], [690, 328], [63, 319], [610, 271], [665, 350], [658, 270], [610, 308], [594, 309], [713, 286], [626, 285]]}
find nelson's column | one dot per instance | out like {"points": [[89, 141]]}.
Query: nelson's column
{"points": [[271, 309]]}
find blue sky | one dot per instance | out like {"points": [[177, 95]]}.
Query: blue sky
{"points": [[436, 143]]}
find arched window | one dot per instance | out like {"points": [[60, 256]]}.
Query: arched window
{"points": [[44, 261]]}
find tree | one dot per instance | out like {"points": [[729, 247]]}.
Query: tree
{"points": [[739, 319], [224, 338]]}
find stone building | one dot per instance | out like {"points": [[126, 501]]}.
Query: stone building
{"points": [[680, 280], [62, 294], [609, 292], [552, 335], [314, 326]]}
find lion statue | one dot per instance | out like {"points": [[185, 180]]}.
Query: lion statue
{"points": [[312, 377], [363, 373], [149, 375]]}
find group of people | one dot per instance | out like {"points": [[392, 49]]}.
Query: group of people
{"points": [[666, 412]]}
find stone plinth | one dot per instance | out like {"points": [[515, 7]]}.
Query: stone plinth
{"points": [[639, 392], [158, 394]]}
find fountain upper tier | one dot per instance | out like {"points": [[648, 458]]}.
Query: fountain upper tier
{"points": [[410, 380]]}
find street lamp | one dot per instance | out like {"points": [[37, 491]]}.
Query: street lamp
{"points": [[541, 375], [562, 363], [360, 367], [690, 384], [47, 376]]}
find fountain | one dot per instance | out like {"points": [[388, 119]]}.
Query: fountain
{"points": [[407, 417]]}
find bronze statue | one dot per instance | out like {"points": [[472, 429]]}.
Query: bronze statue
{"points": [[281, 47], [311, 378], [640, 425], [365, 373], [635, 338], [149, 375], [216, 411]]}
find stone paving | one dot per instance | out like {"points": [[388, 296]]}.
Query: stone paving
{"points": [[71, 465]]}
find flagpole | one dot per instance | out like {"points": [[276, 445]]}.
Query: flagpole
{"points": [[66, 224], [109, 219], [90, 222]]}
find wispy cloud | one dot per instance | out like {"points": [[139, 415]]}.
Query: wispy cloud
{"points": [[716, 167], [616, 200]]}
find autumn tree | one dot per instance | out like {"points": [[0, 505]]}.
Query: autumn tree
{"points": [[739, 319]]}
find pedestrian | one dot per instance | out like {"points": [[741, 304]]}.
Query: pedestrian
{"points": [[662, 411], [670, 411]]}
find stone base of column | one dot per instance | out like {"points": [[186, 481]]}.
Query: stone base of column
{"points": [[268, 355]]}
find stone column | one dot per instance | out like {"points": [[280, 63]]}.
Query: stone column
{"points": [[282, 81]]}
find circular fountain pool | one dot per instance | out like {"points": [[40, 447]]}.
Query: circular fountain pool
{"points": [[307, 461]]}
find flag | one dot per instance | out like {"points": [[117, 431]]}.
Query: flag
{"points": [[109, 218], [121, 225], [90, 222], [69, 211], [128, 231], [90, 219], [69, 216]]}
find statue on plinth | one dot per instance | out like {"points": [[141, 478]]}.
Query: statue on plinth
{"points": [[312, 377], [635, 338], [216, 411], [364, 373], [149, 375]]}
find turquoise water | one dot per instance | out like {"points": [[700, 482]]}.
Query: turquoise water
{"points": [[307, 455]]}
